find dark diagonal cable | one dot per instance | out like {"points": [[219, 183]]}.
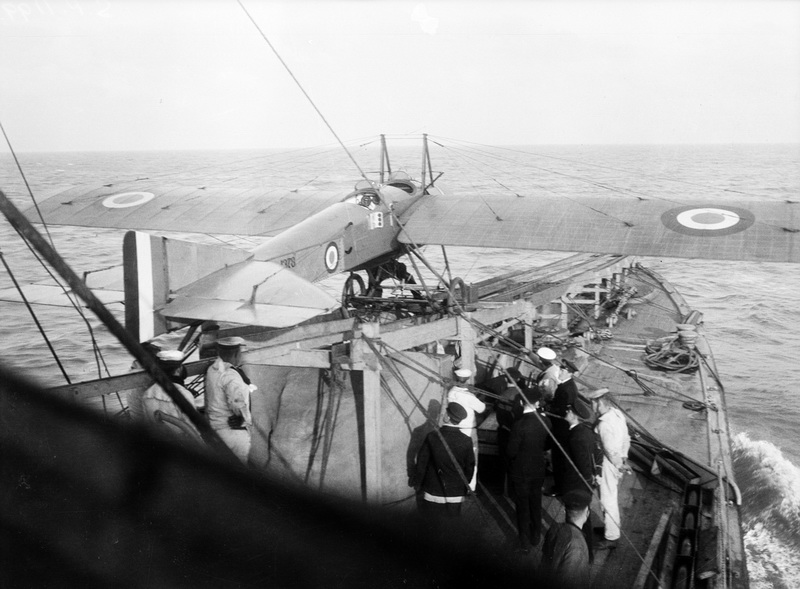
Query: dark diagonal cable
{"points": [[299, 85]]}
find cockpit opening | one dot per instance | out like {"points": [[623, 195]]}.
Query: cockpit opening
{"points": [[368, 198]]}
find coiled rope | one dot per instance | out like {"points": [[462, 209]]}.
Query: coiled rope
{"points": [[671, 354]]}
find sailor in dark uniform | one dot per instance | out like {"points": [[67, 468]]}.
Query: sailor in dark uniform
{"points": [[444, 466], [579, 476], [565, 556], [566, 395], [525, 454]]}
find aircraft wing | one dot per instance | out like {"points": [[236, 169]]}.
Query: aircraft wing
{"points": [[760, 230], [225, 210], [252, 293]]}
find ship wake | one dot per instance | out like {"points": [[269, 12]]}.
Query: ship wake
{"points": [[770, 485]]}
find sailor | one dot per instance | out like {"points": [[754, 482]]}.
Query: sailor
{"points": [[155, 398], [579, 475], [565, 395], [227, 397], [612, 428], [548, 378], [507, 409], [525, 453], [565, 556], [463, 396], [444, 464]]}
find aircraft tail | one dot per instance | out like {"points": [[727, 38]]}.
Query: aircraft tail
{"points": [[156, 266], [169, 282]]}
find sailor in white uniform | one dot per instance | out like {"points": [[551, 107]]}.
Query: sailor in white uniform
{"points": [[464, 397], [227, 397]]}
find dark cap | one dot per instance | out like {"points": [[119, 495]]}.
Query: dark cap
{"points": [[456, 412], [577, 499], [532, 395], [580, 409]]}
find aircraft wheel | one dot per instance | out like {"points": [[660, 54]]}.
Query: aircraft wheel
{"points": [[353, 287]]}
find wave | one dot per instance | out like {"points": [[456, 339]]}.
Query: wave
{"points": [[770, 484]]}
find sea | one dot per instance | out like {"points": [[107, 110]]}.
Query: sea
{"points": [[749, 308]]}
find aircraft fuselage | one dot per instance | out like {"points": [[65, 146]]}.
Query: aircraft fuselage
{"points": [[350, 235]]}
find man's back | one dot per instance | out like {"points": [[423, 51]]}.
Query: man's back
{"points": [[565, 557], [436, 471], [226, 394], [526, 445], [580, 446]]}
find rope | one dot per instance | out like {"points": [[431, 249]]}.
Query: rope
{"points": [[315, 437], [669, 354], [332, 411]]}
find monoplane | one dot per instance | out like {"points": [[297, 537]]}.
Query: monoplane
{"points": [[171, 282]]}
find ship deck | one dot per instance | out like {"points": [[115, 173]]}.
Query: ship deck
{"points": [[652, 506]]}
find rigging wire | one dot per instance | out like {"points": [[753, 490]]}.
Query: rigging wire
{"points": [[612, 168], [481, 508], [371, 343], [35, 319], [631, 373], [24, 227], [299, 85], [99, 359], [582, 204], [637, 194]]}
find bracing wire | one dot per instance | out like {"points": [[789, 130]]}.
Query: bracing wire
{"points": [[35, 319], [299, 85], [95, 346]]}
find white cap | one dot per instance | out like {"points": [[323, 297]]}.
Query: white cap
{"points": [[546, 354], [230, 342], [595, 394], [463, 373], [170, 356]]}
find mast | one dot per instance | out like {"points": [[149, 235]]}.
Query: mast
{"points": [[385, 164], [425, 158]]}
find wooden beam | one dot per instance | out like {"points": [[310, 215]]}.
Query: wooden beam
{"points": [[266, 354], [297, 359], [468, 337], [655, 552], [418, 335], [372, 413], [501, 313], [81, 391], [303, 332]]}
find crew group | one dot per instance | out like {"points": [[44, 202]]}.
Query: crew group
{"points": [[532, 420], [226, 398]]}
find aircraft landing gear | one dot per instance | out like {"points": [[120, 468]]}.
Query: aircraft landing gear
{"points": [[353, 287]]}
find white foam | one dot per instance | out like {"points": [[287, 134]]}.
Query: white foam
{"points": [[771, 512]]}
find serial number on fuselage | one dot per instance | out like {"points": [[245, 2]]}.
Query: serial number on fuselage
{"points": [[289, 262]]}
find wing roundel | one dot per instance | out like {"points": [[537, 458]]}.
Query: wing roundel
{"points": [[143, 206]]}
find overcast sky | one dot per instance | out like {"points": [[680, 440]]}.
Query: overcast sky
{"points": [[142, 74]]}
